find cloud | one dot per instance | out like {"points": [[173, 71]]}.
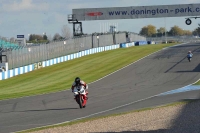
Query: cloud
{"points": [[151, 2], [78, 5], [193, 1], [24, 5], [49, 20]]}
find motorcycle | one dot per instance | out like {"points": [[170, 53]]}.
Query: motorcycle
{"points": [[189, 59], [80, 96], [189, 56]]}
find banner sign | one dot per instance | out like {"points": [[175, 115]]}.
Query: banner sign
{"points": [[135, 12], [37, 65], [20, 36]]}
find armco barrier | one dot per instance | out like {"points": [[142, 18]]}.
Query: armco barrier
{"points": [[151, 42], [131, 44], [126, 45], [21, 70], [138, 43], [122, 45]]}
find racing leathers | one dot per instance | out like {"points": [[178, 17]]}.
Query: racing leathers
{"points": [[82, 83]]}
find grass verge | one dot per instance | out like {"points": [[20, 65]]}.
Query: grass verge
{"points": [[198, 83]]}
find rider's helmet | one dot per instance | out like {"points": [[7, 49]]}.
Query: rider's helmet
{"points": [[77, 80], [189, 52]]}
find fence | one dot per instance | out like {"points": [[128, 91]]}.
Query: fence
{"points": [[135, 37], [40, 52], [173, 39]]}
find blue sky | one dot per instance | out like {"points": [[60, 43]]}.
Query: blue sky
{"points": [[39, 16]]}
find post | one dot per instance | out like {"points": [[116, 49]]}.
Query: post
{"points": [[114, 39], [98, 40], [92, 41], [112, 28]]}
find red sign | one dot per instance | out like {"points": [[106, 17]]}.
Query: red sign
{"points": [[94, 13]]}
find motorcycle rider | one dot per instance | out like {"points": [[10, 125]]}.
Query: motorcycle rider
{"points": [[78, 82], [189, 55]]}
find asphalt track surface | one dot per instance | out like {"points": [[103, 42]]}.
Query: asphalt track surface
{"points": [[134, 87]]}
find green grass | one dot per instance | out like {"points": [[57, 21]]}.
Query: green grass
{"points": [[198, 83], [60, 76]]}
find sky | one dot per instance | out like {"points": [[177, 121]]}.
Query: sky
{"points": [[24, 17]]}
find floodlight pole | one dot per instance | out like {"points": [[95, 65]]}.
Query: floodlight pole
{"points": [[165, 32]]}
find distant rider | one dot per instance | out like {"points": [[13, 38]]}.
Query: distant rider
{"points": [[78, 82], [189, 55]]}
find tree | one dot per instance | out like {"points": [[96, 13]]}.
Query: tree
{"points": [[57, 36], [196, 32], [161, 30], [148, 30], [144, 31], [30, 37], [12, 39], [4, 38], [34, 37], [176, 31], [66, 31], [187, 32], [44, 37]]}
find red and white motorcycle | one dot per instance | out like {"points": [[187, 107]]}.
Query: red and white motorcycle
{"points": [[80, 96]]}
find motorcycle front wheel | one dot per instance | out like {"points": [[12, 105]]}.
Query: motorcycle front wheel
{"points": [[80, 102]]}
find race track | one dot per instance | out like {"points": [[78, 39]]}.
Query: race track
{"points": [[133, 87]]}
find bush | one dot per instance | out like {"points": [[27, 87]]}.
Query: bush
{"points": [[171, 41]]}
